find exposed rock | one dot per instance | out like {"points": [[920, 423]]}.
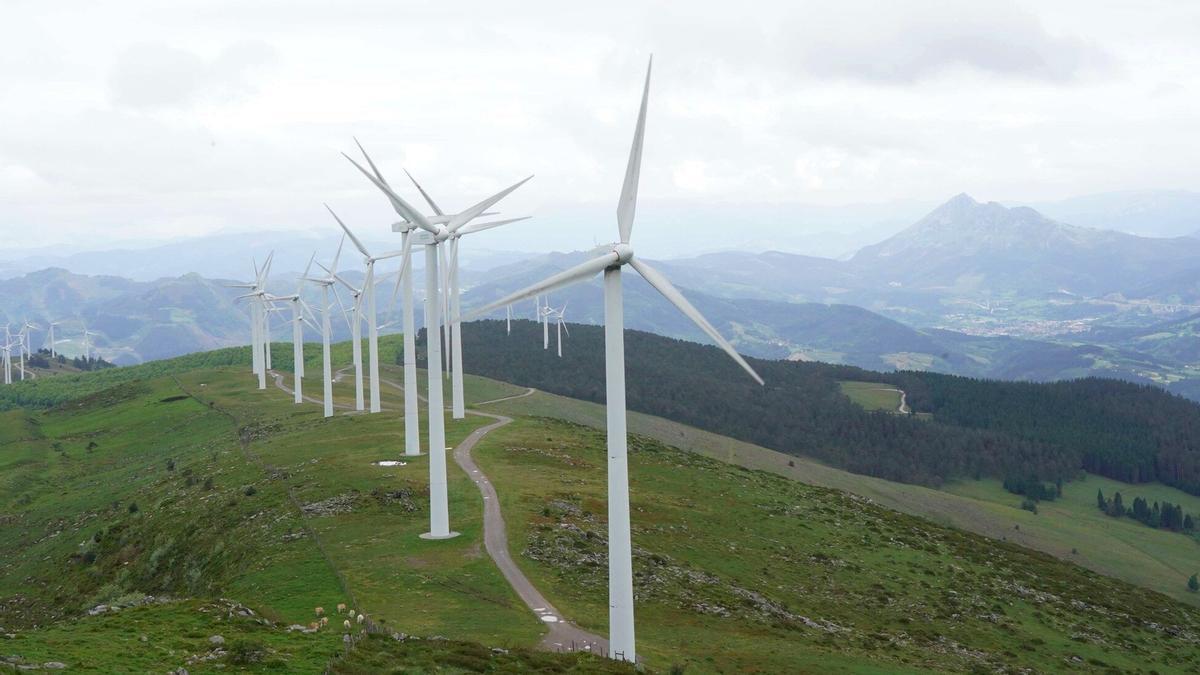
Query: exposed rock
{"points": [[216, 640], [343, 503]]}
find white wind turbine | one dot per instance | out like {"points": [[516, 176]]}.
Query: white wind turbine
{"points": [[437, 229], [452, 335], [613, 258], [559, 318], [8, 345], [298, 309], [258, 364], [87, 343], [50, 337], [368, 292], [326, 283], [354, 321], [546, 312]]}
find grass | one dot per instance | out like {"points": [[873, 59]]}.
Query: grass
{"points": [[743, 571], [297, 516], [872, 395], [1076, 530], [1124, 550], [69, 541]]}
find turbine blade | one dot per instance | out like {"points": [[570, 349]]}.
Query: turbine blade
{"points": [[370, 162], [336, 256], [403, 208], [342, 307], [357, 244], [660, 283], [480, 227], [633, 172], [424, 194], [473, 212], [577, 273], [300, 283], [265, 270], [338, 277]]}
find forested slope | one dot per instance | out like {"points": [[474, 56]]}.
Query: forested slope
{"points": [[978, 427]]}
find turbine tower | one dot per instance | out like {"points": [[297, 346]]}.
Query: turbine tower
{"points": [[437, 229], [354, 321], [610, 263]]}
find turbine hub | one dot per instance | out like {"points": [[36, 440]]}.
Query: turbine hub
{"points": [[624, 253]]}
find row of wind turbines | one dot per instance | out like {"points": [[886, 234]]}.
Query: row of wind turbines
{"points": [[21, 341], [440, 233]]}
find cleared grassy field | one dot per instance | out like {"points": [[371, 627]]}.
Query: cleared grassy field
{"points": [[745, 571], [872, 395]]}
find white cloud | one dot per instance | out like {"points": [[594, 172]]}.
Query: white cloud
{"points": [[157, 75], [162, 119]]}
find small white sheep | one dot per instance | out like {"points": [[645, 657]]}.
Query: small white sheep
{"points": [[360, 618], [346, 623]]}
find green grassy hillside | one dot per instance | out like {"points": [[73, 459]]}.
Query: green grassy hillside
{"points": [[1096, 542], [251, 512]]}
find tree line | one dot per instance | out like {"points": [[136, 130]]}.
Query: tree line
{"points": [[1166, 515]]}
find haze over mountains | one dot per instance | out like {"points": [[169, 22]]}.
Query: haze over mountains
{"points": [[971, 288]]}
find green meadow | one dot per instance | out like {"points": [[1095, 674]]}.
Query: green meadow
{"points": [[141, 518]]}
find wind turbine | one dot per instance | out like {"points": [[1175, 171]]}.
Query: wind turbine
{"points": [[298, 308], [325, 283], [610, 260], [438, 229], [21, 337], [50, 338], [508, 319], [354, 323], [7, 358], [8, 344], [452, 333], [87, 343], [559, 315], [258, 364], [546, 312], [371, 317]]}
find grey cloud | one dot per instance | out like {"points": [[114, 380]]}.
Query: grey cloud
{"points": [[157, 75]]}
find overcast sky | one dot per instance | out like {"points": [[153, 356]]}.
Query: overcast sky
{"points": [[154, 119]]}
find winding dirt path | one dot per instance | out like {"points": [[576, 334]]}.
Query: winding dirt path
{"points": [[562, 635]]}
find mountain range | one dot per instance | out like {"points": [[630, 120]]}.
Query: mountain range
{"points": [[971, 288]]}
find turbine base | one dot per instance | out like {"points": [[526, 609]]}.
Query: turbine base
{"points": [[432, 536]]}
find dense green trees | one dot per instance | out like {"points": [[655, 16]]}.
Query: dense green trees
{"points": [[1166, 515], [1040, 432]]}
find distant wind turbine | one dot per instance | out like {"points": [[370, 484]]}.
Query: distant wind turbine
{"points": [[325, 283], [609, 261], [559, 317], [368, 291]]}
